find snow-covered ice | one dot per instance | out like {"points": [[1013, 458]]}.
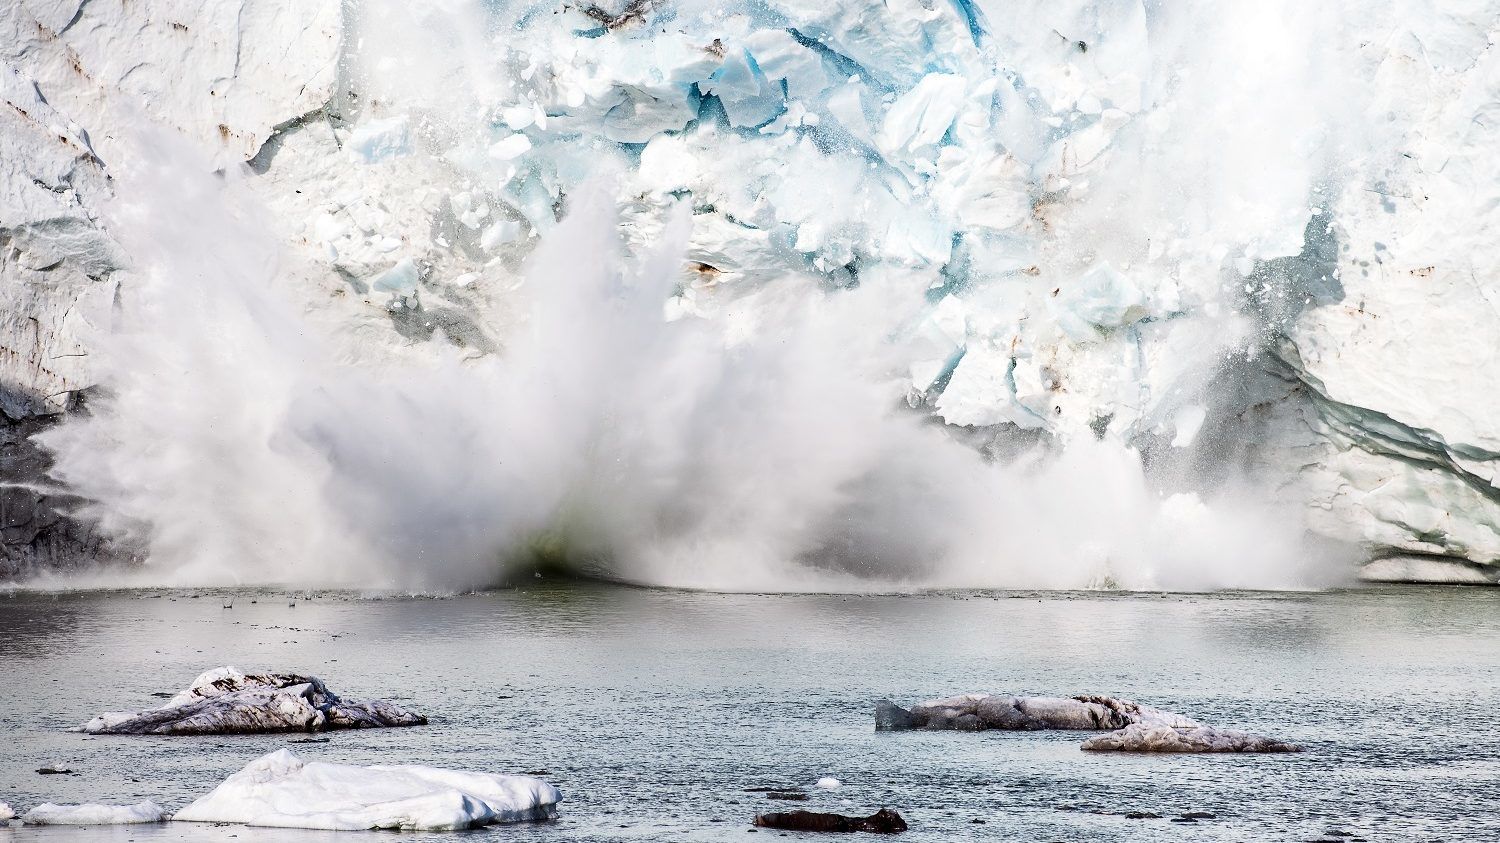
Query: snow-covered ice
{"points": [[1140, 737], [227, 701], [283, 791], [93, 814], [975, 712]]}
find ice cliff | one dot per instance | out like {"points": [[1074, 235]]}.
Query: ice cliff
{"points": [[1249, 241]]}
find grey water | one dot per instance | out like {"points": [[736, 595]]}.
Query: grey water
{"points": [[656, 711]]}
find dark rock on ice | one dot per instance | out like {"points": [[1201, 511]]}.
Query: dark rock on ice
{"points": [[225, 701], [884, 821]]}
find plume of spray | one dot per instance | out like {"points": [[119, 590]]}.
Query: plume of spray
{"points": [[232, 443]]}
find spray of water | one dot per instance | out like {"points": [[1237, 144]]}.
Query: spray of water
{"points": [[233, 440]]}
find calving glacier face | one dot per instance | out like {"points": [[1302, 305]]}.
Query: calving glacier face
{"points": [[1057, 189], [1044, 294]]}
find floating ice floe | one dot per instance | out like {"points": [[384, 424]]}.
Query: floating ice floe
{"points": [[977, 712], [226, 701], [281, 790], [91, 814], [829, 783], [1142, 738], [6, 813]]}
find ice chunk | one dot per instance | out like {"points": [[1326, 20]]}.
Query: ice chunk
{"points": [[976, 712], [749, 99], [283, 791], [6, 812], [502, 231], [642, 114], [982, 392], [400, 279], [510, 147], [1102, 297], [921, 116], [1187, 422], [92, 814], [227, 701], [380, 140], [780, 56], [829, 783], [1140, 737]]}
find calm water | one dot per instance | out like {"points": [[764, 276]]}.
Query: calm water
{"points": [[654, 711]]}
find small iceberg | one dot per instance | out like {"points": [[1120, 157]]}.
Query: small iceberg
{"points": [[6, 813], [1142, 738], [91, 814], [225, 701], [977, 712], [281, 790]]}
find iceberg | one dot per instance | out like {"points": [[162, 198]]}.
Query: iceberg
{"points": [[281, 790], [1139, 737], [92, 814], [977, 712], [6, 812], [227, 701]]}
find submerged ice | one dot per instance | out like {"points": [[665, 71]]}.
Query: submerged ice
{"points": [[770, 295]]}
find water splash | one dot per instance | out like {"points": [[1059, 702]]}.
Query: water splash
{"points": [[241, 437], [233, 443]]}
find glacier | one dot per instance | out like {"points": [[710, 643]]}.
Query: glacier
{"points": [[1169, 284]]}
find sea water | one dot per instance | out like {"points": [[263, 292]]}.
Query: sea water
{"points": [[657, 712]]}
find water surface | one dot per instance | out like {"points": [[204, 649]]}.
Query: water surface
{"points": [[654, 711]]}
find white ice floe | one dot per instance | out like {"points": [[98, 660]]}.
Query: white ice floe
{"points": [[226, 701], [1147, 738], [829, 783], [283, 791], [6, 812], [92, 814]]}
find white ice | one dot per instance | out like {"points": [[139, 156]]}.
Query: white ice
{"points": [[283, 791], [92, 814]]}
